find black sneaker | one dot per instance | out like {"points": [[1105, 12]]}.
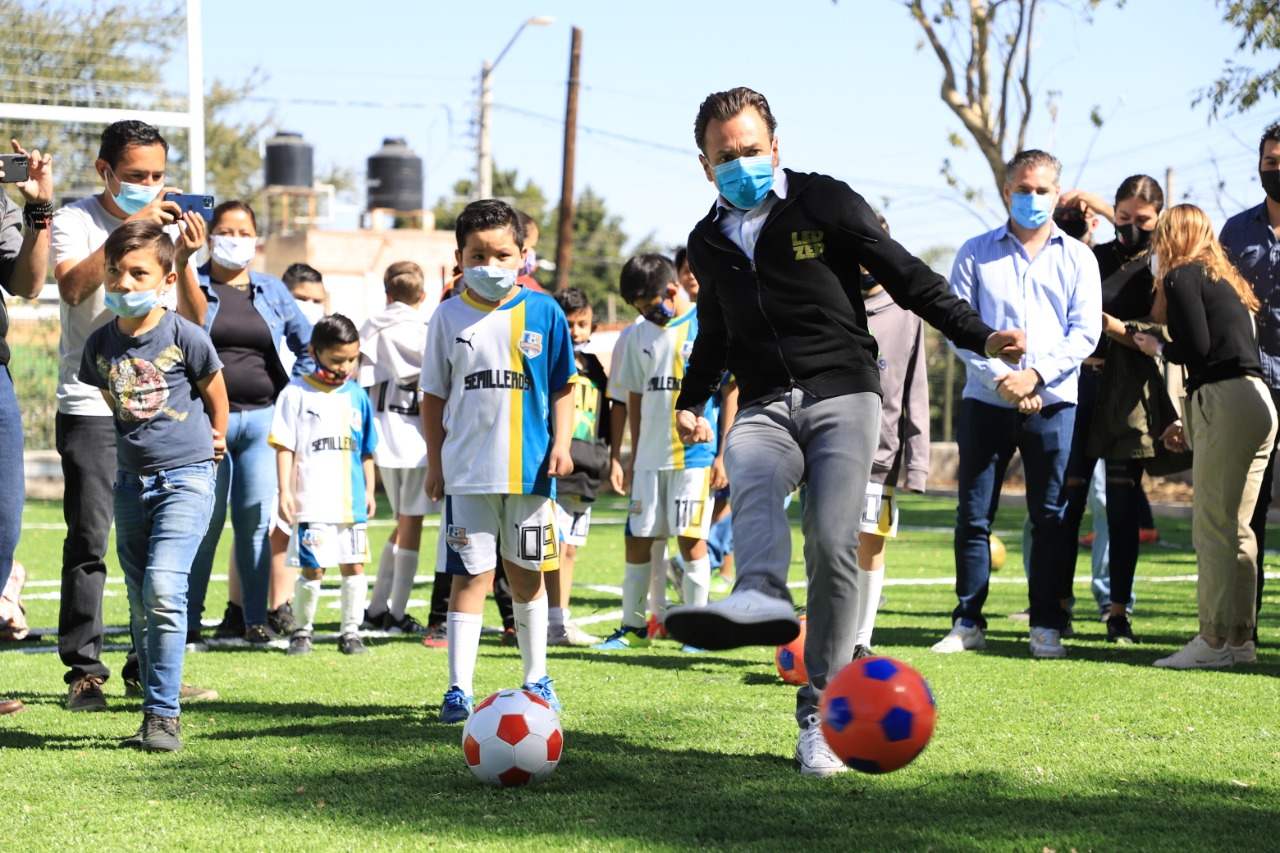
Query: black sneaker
{"points": [[860, 652], [258, 635], [374, 623], [134, 741], [161, 734], [281, 619], [351, 644], [232, 624], [300, 643], [1119, 631], [85, 694], [407, 625]]}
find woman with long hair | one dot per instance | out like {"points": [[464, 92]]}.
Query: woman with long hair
{"points": [[1228, 422]]}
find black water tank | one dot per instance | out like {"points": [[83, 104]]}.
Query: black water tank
{"points": [[395, 177], [289, 161]]}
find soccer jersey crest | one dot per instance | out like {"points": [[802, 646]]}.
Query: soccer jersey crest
{"points": [[531, 344], [686, 350], [456, 537], [356, 419]]}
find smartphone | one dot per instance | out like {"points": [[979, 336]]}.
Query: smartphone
{"points": [[201, 204], [15, 168]]}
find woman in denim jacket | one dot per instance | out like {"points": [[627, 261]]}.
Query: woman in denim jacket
{"points": [[251, 318]]}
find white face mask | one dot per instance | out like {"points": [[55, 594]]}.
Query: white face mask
{"points": [[233, 253], [313, 311]]}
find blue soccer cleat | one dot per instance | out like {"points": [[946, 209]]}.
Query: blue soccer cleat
{"points": [[625, 638], [456, 707], [543, 690]]}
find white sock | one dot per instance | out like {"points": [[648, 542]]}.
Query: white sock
{"points": [[556, 619], [306, 597], [402, 581], [697, 581], [869, 586], [634, 580], [354, 590], [464, 646], [531, 634], [658, 580], [382, 583]]}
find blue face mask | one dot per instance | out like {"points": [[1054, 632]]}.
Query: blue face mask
{"points": [[132, 304], [1031, 210], [492, 283], [660, 314], [134, 197], [746, 181]]}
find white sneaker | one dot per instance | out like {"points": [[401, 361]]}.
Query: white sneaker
{"points": [[572, 636], [961, 639], [747, 617], [813, 756], [1246, 652], [1047, 643], [1198, 654]]}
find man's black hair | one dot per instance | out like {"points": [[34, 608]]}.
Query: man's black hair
{"points": [[1271, 134], [646, 276], [487, 214], [572, 300], [333, 331], [123, 135], [298, 273]]}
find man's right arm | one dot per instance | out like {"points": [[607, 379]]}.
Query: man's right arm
{"points": [[78, 269]]}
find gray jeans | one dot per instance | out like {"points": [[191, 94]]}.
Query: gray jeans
{"points": [[828, 445]]}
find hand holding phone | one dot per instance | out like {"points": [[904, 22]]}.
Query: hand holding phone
{"points": [[14, 168]]}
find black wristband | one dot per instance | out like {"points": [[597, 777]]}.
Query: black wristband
{"points": [[37, 216]]}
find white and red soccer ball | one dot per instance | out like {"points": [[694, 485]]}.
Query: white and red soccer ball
{"points": [[513, 738]]}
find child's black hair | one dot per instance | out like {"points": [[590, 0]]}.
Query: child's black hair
{"points": [[141, 235], [646, 276], [120, 136], [682, 257], [333, 331], [572, 300], [487, 214]]}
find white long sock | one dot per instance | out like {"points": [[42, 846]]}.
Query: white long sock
{"points": [[402, 582], [697, 581], [531, 634], [382, 583], [556, 617], [658, 580], [464, 647], [634, 581], [355, 588], [306, 597], [869, 586]]}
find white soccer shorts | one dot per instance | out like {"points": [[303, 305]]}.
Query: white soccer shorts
{"points": [[406, 490], [475, 529], [670, 503], [316, 545]]}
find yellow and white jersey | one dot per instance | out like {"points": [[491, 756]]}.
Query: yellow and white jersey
{"points": [[329, 429], [651, 362], [496, 369]]}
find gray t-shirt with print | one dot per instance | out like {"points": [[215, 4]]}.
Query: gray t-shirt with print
{"points": [[160, 418]]}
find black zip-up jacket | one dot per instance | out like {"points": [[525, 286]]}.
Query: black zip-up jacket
{"points": [[794, 317]]}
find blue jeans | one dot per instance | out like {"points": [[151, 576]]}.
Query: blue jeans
{"points": [[13, 484], [987, 437], [248, 476], [160, 520]]}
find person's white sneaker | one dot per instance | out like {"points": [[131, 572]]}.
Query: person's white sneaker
{"points": [[744, 618], [1198, 654], [962, 638], [572, 636], [1047, 643], [1246, 652], [813, 756]]}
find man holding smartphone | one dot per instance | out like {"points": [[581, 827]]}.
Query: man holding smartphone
{"points": [[24, 261], [131, 162]]}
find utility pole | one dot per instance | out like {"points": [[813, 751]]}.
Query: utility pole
{"points": [[564, 242], [484, 162]]}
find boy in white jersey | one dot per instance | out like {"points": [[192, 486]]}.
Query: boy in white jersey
{"points": [[391, 344], [669, 481], [497, 412], [324, 438]]}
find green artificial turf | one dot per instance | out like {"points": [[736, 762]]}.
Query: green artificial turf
{"points": [[663, 750]]}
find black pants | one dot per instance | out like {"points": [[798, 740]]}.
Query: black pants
{"points": [[87, 446], [1259, 522]]}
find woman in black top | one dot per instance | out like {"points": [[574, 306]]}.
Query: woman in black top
{"points": [[1230, 423]]}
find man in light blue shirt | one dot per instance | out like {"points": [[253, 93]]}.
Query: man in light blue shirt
{"points": [[1252, 241], [1025, 274]]}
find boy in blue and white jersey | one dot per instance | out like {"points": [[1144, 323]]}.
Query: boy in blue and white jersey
{"points": [[497, 413], [669, 481], [324, 437]]}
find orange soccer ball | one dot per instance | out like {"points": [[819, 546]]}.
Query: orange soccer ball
{"points": [[790, 660], [877, 714]]}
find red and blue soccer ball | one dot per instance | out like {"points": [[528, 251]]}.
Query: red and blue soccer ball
{"points": [[513, 738], [877, 714], [790, 660]]}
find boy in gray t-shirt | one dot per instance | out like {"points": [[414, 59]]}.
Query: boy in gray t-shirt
{"points": [[162, 379]]}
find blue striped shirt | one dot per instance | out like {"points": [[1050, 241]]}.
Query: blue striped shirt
{"points": [[1056, 297]]}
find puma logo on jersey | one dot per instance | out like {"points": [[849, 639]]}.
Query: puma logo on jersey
{"points": [[467, 341]]}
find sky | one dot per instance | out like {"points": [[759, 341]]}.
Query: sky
{"points": [[852, 94]]}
